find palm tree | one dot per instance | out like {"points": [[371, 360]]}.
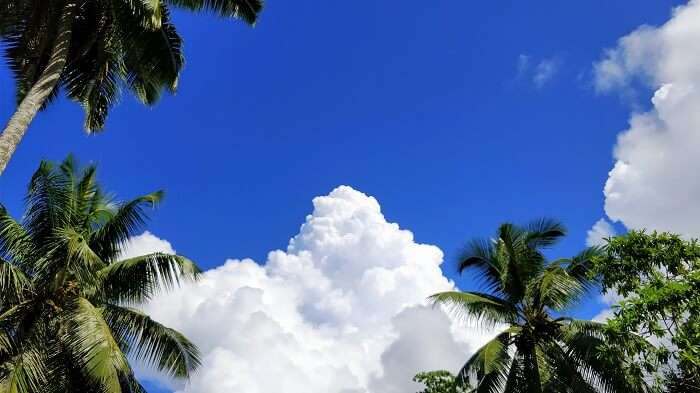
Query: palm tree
{"points": [[538, 350], [92, 49], [69, 316]]}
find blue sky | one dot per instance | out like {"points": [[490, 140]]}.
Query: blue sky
{"points": [[430, 108]]}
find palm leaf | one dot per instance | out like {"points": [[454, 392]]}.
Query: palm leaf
{"points": [[25, 373], [14, 283], [480, 256], [147, 340], [128, 219], [544, 232], [247, 10], [90, 341], [488, 365], [555, 288], [15, 242], [483, 308], [136, 280]]}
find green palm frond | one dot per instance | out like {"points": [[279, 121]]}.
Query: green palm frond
{"points": [[555, 288], [565, 373], [585, 343], [580, 265], [80, 258], [147, 340], [25, 373], [48, 201], [136, 280], [480, 256], [155, 63], [14, 284], [489, 365], [544, 232], [15, 242], [521, 262], [126, 221], [91, 344], [484, 308], [246, 10]]}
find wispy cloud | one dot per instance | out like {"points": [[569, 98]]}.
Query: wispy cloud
{"points": [[539, 72]]}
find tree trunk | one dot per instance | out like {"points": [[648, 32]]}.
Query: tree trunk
{"points": [[40, 91]]}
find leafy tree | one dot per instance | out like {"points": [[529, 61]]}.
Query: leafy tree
{"points": [[439, 381], [537, 350], [69, 316], [92, 49], [658, 276]]}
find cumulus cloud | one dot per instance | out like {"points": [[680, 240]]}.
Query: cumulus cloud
{"points": [[538, 71], [653, 183], [341, 310], [145, 243], [600, 231]]}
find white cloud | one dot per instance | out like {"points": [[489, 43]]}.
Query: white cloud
{"points": [[539, 72], [342, 310], [523, 64], [610, 299], [654, 182], [145, 243], [600, 231], [545, 71]]}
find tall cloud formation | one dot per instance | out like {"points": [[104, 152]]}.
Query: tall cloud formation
{"points": [[342, 310], [654, 183]]}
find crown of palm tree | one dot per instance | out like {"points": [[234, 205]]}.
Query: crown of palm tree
{"points": [[536, 351], [69, 316], [114, 44]]}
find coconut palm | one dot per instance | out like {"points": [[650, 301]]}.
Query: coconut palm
{"points": [[538, 350], [92, 49], [69, 311]]}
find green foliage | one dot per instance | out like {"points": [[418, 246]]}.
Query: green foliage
{"points": [[115, 45], [658, 276], [439, 381], [67, 316], [538, 350]]}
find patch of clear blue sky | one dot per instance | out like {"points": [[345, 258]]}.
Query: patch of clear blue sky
{"points": [[416, 103]]}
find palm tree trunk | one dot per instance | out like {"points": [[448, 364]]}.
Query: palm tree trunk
{"points": [[40, 91], [532, 370]]}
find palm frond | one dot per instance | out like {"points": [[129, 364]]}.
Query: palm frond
{"points": [[489, 365], [15, 242], [90, 341], [544, 232], [246, 10], [48, 202], [25, 373], [565, 372], [555, 288], [153, 60], [14, 283], [580, 265], [480, 256], [481, 307], [147, 340], [136, 280], [585, 344], [125, 222]]}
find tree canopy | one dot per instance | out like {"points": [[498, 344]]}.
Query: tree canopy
{"points": [[538, 349], [69, 314], [658, 277]]}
